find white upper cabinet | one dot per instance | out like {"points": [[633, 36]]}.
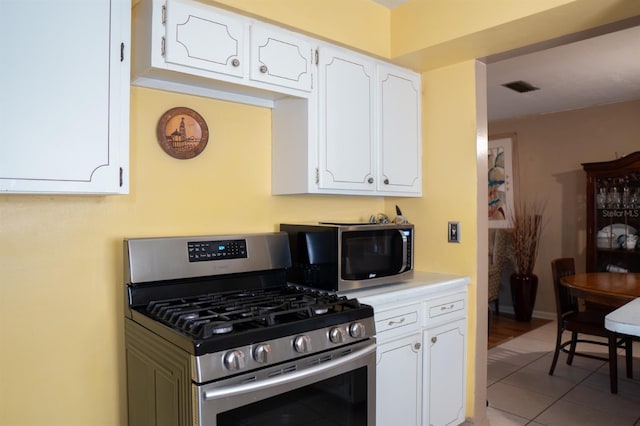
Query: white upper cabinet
{"points": [[363, 131], [191, 47], [199, 36], [280, 59], [346, 121], [64, 108], [342, 122], [400, 160]]}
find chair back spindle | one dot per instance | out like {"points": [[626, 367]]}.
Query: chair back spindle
{"points": [[565, 302]]}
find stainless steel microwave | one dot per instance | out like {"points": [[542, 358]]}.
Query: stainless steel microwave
{"points": [[342, 256]]}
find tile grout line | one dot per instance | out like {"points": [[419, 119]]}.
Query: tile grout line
{"points": [[591, 373], [564, 394]]}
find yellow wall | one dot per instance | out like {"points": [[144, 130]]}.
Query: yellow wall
{"points": [[61, 289], [61, 302], [450, 182], [432, 33], [61, 307], [360, 24]]}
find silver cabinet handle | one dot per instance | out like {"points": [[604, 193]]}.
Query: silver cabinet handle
{"points": [[370, 180], [263, 69], [417, 346], [392, 322], [386, 181], [434, 339], [235, 62], [446, 308]]}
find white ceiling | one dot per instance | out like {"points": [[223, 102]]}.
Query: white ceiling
{"points": [[583, 70], [595, 71]]}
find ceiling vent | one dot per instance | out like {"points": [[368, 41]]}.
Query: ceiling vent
{"points": [[521, 86]]}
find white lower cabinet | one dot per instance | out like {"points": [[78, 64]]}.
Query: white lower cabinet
{"points": [[398, 367], [421, 356], [444, 372]]}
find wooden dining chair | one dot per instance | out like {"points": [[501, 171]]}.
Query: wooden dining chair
{"points": [[589, 321]]}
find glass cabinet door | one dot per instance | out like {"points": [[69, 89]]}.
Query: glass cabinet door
{"points": [[613, 215]]}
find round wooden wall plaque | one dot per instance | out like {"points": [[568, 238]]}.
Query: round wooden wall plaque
{"points": [[182, 133]]}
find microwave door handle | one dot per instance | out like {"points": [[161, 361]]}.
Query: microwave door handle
{"points": [[405, 244]]}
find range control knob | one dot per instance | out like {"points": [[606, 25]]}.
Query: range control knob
{"points": [[335, 335], [302, 344], [356, 330], [261, 353], [234, 360]]}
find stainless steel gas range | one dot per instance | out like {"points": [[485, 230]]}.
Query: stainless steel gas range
{"points": [[216, 336]]}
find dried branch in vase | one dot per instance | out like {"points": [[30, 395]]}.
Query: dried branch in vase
{"points": [[526, 222]]}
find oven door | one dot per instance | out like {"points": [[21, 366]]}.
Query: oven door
{"points": [[335, 387]]}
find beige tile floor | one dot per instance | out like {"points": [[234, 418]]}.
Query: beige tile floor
{"points": [[521, 392]]}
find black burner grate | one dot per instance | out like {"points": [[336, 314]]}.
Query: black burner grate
{"points": [[205, 316]]}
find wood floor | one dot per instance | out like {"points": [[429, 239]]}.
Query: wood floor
{"points": [[504, 327]]}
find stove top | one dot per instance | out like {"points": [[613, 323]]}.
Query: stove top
{"points": [[204, 316], [215, 322], [211, 294]]}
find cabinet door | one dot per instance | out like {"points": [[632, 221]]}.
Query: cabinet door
{"points": [[400, 160], [280, 58], [201, 37], [64, 81], [346, 123], [444, 374], [398, 382]]}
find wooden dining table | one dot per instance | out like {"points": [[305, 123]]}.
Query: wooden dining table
{"points": [[607, 288], [619, 290]]}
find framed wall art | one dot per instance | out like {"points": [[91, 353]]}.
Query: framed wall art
{"points": [[502, 168], [182, 133]]}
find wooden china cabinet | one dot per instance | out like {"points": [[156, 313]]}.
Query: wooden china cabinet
{"points": [[613, 213]]}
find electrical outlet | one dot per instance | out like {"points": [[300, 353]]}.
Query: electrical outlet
{"points": [[454, 232]]}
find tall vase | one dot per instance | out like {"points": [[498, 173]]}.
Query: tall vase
{"points": [[523, 293]]}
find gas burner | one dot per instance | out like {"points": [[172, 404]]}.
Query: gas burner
{"points": [[274, 306], [219, 327]]}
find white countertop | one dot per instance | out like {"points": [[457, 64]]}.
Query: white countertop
{"points": [[625, 319], [422, 284]]}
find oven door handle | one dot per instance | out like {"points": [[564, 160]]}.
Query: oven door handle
{"points": [[289, 377]]}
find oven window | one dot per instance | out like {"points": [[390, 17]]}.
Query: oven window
{"points": [[340, 400]]}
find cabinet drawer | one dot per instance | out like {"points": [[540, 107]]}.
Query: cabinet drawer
{"points": [[445, 309], [398, 320]]}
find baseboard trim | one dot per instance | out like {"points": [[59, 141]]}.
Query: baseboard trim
{"points": [[536, 314]]}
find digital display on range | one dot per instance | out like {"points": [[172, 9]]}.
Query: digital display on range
{"points": [[202, 251]]}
